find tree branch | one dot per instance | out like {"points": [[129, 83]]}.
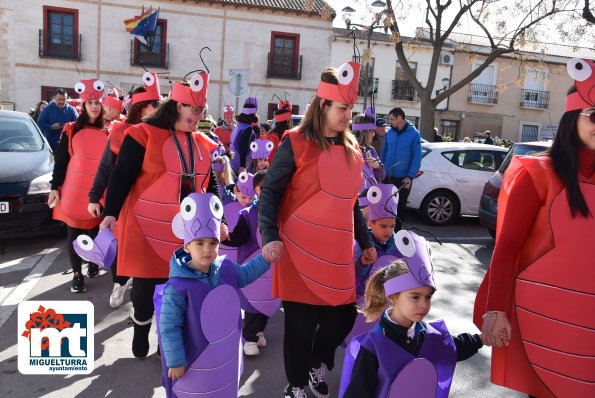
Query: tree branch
{"points": [[588, 14]]}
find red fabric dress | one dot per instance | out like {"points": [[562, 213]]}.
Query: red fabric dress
{"points": [[145, 237], [85, 149], [117, 136], [542, 275], [316, 226]]}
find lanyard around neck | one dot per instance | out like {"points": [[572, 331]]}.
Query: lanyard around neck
{"points": [[188, 167]]}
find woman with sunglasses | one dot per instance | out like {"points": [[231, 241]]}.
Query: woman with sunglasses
{"points": [[161, 161], [539, 288], [144, 103]]}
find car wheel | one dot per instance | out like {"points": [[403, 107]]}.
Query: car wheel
{"points": [[440, 208], [492, 232]]}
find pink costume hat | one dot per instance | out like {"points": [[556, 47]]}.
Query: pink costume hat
{"points": [[346, 90]]}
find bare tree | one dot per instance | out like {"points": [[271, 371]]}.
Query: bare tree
{"points": [[507, 25], [587, 13]]}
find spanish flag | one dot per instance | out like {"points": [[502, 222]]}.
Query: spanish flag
{"points": [[133, 22]]}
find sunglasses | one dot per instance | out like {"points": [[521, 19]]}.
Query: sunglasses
{"points": [[591, 116]]}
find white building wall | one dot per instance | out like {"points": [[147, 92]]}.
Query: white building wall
{"points": [[238, 37]]}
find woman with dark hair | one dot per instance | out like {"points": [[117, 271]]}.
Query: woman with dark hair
{"points": [[161, 161], [38, 109], [76, 160], [144, 103], [309, 212], [539, 288]]}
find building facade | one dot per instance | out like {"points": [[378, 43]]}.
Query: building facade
{"points": [[265, 49]]}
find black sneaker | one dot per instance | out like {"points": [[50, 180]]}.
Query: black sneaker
{"points": [[294, 392], [316, 382], [78, 284], [92, 270]]}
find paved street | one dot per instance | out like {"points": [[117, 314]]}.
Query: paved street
{"points": [[34, 269]]}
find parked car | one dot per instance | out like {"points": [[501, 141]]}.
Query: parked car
{"points": [[488, 207], [26, 164], [452, 176]]}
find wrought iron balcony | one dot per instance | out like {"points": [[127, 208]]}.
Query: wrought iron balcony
{"points": [[140, 56], [284, 72], [59, 46], [535, 99], [372, 86], [483, 94], [403, 90]]}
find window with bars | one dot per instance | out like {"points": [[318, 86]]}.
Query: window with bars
{"points": [[402, 89], [157, 54], [372, 82], [284, 58]]}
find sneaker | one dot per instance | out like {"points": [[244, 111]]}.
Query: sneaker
{"points": [[294, 392], [78, 284], [262, 342], [92, 270], [316, 382], [250, 348], [117, 296]]}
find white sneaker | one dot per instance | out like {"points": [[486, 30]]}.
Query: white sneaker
{"points": [[117, 296], [250, 348], [262, 342]]}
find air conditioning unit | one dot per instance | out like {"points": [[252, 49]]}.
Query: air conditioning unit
{"points": [[446, 59]]}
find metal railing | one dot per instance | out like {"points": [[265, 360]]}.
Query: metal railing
{"points": [[535, 99], [149, 58], [52, 45], [295, 74], [483, 93], [402, 90], [372, 86]]}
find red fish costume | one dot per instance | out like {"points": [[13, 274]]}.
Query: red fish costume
{"points": [[146, 239], [548, 292], [85, 149]]}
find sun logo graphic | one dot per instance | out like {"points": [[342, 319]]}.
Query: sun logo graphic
{"points": [[56, 337]]}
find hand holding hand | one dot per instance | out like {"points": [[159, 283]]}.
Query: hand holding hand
{"points": [[108, 222], [496, 328], [272, 251], [175, 373], [94, 209], [53, 198]]}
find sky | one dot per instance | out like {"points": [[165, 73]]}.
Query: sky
{"points": [[417, 19]]}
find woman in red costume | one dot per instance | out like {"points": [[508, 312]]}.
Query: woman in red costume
{"points": [[76, 161], [539, 287], [309, 210], [161, 161], [145, 101]]}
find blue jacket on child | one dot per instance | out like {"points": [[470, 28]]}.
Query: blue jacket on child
{"points": [[173, 305]]}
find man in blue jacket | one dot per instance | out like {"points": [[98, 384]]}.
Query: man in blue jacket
{"points": [[401, 156], [55, 116]]}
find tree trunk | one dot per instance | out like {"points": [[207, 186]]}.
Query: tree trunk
{"points": [[426, 123]]}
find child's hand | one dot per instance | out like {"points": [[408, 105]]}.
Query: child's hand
{"points": [[272, 251], [369, 255], [224, 233], [175, 373], [484, 340]]}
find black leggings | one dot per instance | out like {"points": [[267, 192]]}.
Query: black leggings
{"points": [[142, 297], [312, 334], [75, 261], [253, 323], [121, 280]]}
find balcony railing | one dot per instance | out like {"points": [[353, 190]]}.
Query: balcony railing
{"points": [[149, 58], [372, 86], [483, 94], [535, 99], [277, 73], [403, 91], [52, 45]]}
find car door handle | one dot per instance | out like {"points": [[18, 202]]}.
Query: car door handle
{"points": [[462, 180]]}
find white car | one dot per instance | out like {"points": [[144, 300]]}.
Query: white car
{"points": [[451, 180]]}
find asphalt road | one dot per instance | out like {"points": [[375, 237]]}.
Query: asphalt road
{"points": [[34, 269]]}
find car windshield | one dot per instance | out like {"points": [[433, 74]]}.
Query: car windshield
{"points": [[521, 149], [19, 135]]}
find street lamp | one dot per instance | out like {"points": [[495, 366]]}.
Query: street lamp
{"points": [[378, 6]]}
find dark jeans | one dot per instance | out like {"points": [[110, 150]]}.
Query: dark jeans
{"points": [[403, 196], [121, 280], [253, 323], [312, 334], [142, 297], [75, 261]]}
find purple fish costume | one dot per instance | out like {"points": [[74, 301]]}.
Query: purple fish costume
{"points": [[371, 176], [101, 250], [430, 373], [261, 148]]}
